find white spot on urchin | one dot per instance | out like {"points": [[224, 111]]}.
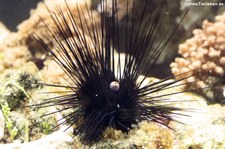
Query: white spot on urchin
{"points": [[114, 85]]}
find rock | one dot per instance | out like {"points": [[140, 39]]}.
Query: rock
{"points": [[2, 125], [56, 140], [204, 127]]}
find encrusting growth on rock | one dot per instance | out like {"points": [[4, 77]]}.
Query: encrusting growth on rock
{"points": [[204, 54]]}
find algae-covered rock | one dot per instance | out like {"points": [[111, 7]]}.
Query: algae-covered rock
{"points": [[19, 89], [204, 128], [145, 135], [2, 125]]}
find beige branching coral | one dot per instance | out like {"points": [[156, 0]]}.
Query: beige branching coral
{"points": [[204, 53], [11, 56], [34, 24], [16, 47]]}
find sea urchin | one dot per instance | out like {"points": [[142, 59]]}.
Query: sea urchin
{"points": [[104, 85]]}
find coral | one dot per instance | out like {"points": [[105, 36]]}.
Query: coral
{"points": [[52, 72], [4, 31], [40, 14], [13, 56], [14, 46], [204, 54]]}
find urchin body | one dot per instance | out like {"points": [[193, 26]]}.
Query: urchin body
{"points": [[105, 102]]}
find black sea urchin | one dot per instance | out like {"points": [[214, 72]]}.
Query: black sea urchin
{"points": [[105, 87]]}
